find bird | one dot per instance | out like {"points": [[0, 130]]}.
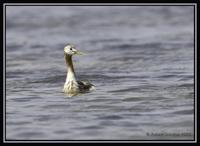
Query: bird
{"points": [[73, 86]]}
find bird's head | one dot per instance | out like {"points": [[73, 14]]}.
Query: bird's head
{"points": [[69, 49]]}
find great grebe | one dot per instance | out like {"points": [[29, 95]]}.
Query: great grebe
{"points": [[72, 86]]}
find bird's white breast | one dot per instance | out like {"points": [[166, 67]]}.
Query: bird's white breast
{"points": [[71, 87]]}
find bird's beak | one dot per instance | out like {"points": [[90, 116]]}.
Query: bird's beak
{"points": [[79, 53]]}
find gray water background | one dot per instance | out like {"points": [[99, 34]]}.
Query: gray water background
{"points": [[140, 58]]}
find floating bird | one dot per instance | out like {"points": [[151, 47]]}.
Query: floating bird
{"points": [[72, 86]]}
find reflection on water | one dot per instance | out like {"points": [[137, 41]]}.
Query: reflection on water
{"points": [[139, 58]]}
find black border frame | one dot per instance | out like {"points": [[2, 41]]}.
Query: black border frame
{"points": [[104, 4]]}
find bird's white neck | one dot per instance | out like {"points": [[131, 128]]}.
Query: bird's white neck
{"points": [[70, 69]]}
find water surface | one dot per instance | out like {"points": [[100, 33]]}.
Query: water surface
{"points": [[140, 58]]}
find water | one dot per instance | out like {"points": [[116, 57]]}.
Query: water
{"points": [[140, 58]]}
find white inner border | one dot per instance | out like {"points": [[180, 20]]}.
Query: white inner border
{"points": [[96, 4]]}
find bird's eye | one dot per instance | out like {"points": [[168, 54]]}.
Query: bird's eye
{"points": [[70, 48]]}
